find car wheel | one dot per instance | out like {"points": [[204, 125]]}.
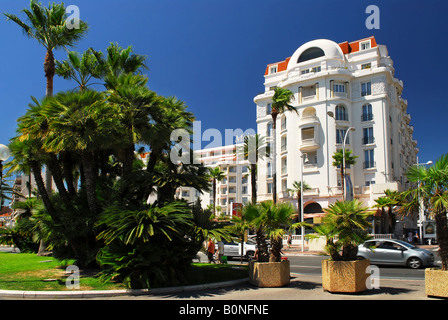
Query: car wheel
{"points": [[414, 263]]}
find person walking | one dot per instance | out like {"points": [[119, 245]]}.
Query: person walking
{"points": [[211, 251], [220, 251]]}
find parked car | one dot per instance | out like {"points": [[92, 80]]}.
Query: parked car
{"points": [[233, 249], [395, 252]]}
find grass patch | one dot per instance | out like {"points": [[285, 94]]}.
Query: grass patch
{"points": [[27, 271]]}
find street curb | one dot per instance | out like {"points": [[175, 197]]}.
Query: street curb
{"points": [[114, 293]]}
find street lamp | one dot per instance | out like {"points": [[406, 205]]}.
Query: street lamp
{"points": [[4, 155], [344, 192], [421, 205], [304, 159]]}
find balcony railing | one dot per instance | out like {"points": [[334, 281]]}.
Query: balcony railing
{"points": [[368, 140], [367, 117], [369, 164]]}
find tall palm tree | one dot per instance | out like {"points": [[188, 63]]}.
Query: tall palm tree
{"points": [[48, 27], [254, 149], [338, 158], [216, 175], [280, 104], [432, 188], [297, 189]]}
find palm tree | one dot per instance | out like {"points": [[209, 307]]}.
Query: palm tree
{"points": [[48, 27], [79, 68], [280, 104], [388, 201], [216, 175], [254, 149], [297, 189], [276, 217], [348, 221], [432, 188], [253, 214], [338, 158]]}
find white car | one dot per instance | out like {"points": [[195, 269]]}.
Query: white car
{"points": [[233, 249]]}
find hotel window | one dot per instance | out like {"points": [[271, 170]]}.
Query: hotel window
{"points": [[283, 122], [232, 179], [340, 134], [312, 158], [305, 71], [364, 45], [284, 144], [369, 159], [367, 112], [273, 69], [316, 69], [244, 189], [269, 109], [341, 113], [269, 130], [366, 66], [307, 134], [339, 87], [367, 135], [366, 89], [232, 169], [269, 187], [284, 165], [269, 170]]}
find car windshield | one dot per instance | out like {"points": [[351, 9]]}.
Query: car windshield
{"points": [[405, 244]]}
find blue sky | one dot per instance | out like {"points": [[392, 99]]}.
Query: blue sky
{"points": [[212, 54]]}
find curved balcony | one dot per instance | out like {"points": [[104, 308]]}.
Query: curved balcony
{"points": [[309, 144], [308, 120]]}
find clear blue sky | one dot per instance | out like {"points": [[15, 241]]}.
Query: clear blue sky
{"points": [[212, 54]]}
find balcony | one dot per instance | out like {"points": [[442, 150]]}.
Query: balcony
{"points": [[368, 140], [367, 117], [368, 164], [308, 120], [309, 144]]}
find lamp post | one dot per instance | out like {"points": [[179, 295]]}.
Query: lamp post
{"points": [[4, 155], [304, 159], [344, 192], [421, 205], [343, 161]]}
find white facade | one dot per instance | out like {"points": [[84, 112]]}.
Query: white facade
{"points": [[356, 83]]}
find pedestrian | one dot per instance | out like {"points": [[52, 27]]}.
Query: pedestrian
{"points": [[289, 240], [211, 251], [220, 251]]}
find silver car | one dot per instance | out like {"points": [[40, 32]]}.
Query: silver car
{"points": [[395, 252]]}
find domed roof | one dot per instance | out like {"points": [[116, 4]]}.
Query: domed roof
{"points": [[315, 49]]}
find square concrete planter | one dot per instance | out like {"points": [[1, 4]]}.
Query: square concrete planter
{"points": [[345, 276], [436, 283], [269, 274]]}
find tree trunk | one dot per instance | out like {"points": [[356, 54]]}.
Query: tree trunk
{"points": [[442, 237], [67, 170], [36, 169], [58, 180], [90, 180], [49, 69], [274, 157], [263, 252], [253, 181], [276, 250]]}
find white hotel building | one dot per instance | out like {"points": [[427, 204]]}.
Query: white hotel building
{"points": [[356, 83]]}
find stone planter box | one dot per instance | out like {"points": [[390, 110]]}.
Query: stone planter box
{"points": [[269, 274], [436, 283], [345, 276]]}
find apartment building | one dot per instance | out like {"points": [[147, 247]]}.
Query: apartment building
{"points": [[338, 88]]}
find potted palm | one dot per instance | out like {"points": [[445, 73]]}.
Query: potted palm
{"points": [[432, 190], [344, 227], [271, 220]]}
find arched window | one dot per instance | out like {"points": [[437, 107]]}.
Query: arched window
{"points": [[311, 53], [309, 112], [341, 113]]}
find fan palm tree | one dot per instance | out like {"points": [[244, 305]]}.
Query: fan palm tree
{"points": [[348, 221], [432, 187], [297, 189], [338, 158], [215, 175], [280, 104], [253, 214], [254, 149], [48, 27], [79, 68]]}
